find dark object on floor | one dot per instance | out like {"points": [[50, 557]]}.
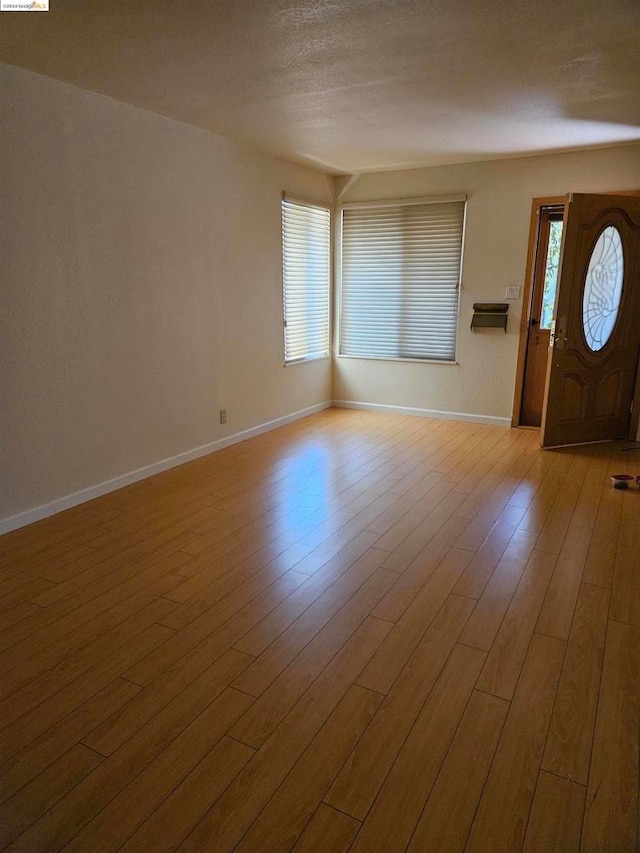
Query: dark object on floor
{"points": [[621, 481]]}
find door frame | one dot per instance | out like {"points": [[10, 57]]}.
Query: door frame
{"points": [[527, 299]]}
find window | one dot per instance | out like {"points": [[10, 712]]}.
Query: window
{"points": [[401, 265], [306, 264], [552, 222]]}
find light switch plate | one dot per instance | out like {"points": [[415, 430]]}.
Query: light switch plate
{"points": [[512, 291]]}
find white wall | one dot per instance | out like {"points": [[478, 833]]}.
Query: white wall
{"points": [[141, 290], [497, 229]]}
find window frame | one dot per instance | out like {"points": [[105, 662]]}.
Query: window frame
{"points": [[323, 206], [402, 202]]}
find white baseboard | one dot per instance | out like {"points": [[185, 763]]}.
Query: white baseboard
{"points": [[13, 522], [422, 413]]}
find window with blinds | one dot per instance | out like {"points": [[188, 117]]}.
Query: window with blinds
{"points": [[401, 265], [306, 264]]}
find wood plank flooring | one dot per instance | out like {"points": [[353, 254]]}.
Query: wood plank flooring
{"points": [[357, 632]]}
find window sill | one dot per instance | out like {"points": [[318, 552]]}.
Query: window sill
{"points": [[306, 360]]}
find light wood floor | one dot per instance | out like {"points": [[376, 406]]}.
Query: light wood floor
{"points": [[358, 632]]}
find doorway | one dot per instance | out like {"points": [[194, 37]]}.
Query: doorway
{"points": [[545, 235], [595, 342], [543, 296], [587, 388]]}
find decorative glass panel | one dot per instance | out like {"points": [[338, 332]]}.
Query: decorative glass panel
{"points": [[603, 289], [551, 273]]}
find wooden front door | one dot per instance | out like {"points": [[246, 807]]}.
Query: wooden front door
{"points": [[549, 234], [595, 343]]}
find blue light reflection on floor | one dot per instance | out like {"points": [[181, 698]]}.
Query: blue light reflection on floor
{"points": [[304, 491]]}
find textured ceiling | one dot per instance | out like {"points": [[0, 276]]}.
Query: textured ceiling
{"points": [[356, 86]]}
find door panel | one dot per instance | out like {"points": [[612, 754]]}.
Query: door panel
{"points": [[534, 377], [589, 391], [608, 394]]}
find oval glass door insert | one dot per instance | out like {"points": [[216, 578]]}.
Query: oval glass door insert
{"points": [[603, 289]]}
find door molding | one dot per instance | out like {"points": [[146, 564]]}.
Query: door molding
{"points": [[536, 206]]}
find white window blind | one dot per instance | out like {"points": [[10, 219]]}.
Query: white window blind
{"points": [[400, 279], [306, 262]]}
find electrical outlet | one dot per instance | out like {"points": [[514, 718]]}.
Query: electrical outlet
{"points": [[512, 291], [223, 416]]}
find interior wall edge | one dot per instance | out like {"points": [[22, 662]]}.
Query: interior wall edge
{"points": [[29, 516]]}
